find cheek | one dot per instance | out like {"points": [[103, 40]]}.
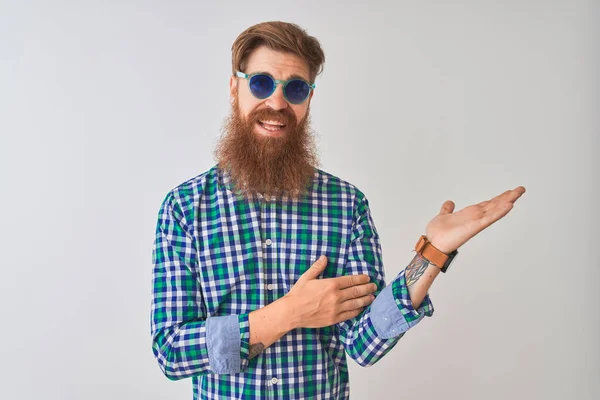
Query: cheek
{"points": [[247, 105], [245, 99], [300, 112]]}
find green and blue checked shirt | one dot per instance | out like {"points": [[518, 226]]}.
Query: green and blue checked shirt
{"points": [[217, 257]]}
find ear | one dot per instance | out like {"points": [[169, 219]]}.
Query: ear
{"points": [[310, 96], [232, 87]]}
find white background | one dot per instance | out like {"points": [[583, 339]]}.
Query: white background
{"points": [[106, 106]]}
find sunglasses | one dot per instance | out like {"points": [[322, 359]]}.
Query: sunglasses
{"points": [[261, 86]]}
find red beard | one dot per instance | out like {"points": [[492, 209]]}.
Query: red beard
{"points": [[270, 165]]}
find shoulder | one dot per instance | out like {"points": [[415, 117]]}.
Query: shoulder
{"points": [[335, 184], [185, 196]]}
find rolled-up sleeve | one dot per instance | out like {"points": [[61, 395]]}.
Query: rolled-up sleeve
{"points": [[393, 312], [373, 333], [186, 342]]}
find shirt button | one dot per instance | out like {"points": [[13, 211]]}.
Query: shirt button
{"points": [[274, 380], [270, 286], [268, 242]]}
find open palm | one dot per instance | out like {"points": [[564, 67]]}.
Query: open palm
{"points": [[449, 230]]}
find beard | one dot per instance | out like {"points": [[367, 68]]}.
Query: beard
{"points": [[271, 165]]}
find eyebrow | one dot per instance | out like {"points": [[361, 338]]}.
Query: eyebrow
{"points": [[293, 76]]}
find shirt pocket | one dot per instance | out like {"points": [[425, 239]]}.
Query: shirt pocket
{"points": [[301, 256]]}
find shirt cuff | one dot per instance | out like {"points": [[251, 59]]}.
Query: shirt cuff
{"points": [[392, 312], [227, 341], [244, 339], [404, 303]]}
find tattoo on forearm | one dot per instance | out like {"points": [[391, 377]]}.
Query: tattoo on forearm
{"points": [[415, 269], [256, 349]]}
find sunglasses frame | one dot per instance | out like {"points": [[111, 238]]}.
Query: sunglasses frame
{"points": [[311, 86]]}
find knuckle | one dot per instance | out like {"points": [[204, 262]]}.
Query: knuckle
{"points": [[335, 297], [360, 302], [350, 280], [337, 283], [365, 289], [332, 315]]}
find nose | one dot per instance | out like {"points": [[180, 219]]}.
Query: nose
{"points": [[277, 100]]}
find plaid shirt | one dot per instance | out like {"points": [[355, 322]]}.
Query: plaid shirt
{"points": [[217, 257]]}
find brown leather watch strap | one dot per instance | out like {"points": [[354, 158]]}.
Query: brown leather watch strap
{"points": [[430, 252]]}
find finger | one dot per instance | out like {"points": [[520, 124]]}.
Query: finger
{"points": [[515, 194], [483, 203], [343, 282], [494, 214], [315, 270], [357, 291], [508, 196], [501, 203], [346, 315], [447, 207], [359, 302]]}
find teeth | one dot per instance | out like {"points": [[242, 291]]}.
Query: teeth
{"points": [[272, 128], [270, 122]]}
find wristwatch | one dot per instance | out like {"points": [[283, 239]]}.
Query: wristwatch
{"points": [[434, 255]]}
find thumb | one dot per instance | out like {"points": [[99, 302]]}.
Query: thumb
{"points": [[447, 207], [316, 269]]}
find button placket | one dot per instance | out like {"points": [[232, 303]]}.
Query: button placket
{"points": [[269, 235], [269, 248]]}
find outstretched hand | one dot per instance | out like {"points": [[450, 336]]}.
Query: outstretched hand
{"points": [[449, 230]]}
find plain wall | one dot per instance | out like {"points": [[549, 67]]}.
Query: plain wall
{"points": [[106, 106]]}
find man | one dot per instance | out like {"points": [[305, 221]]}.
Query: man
{"points": [[268, 270]]}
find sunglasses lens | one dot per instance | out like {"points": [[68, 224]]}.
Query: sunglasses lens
{"points": [[297, 91], [261, 86]]}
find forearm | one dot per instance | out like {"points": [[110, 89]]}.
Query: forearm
{"points": [[268, 324], [420, 274], [392, 313]]}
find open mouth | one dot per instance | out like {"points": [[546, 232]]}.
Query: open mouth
{"points": [[272, 125]]}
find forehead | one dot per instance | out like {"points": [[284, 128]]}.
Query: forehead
{"points": [[278, 64]]}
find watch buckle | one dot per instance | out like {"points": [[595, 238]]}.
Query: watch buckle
{"points": [[421, 243]]}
